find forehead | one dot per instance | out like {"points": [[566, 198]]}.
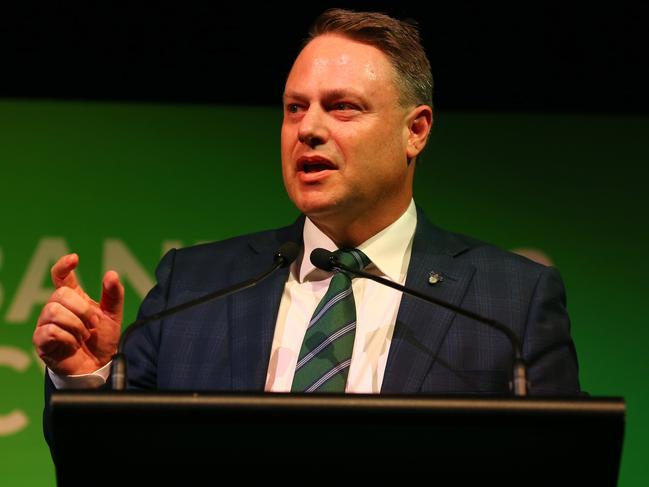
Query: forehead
{"points": [[334, 62]]}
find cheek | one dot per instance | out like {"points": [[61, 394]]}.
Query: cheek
{"points": [[372, 149], [394, 147], [286, 147], [284, 138]]}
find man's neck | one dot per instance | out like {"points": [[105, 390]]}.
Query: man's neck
{"points": [[351, 232]]}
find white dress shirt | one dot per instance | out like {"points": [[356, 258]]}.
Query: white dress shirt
{"points": [[376, 310], [376, 305]]}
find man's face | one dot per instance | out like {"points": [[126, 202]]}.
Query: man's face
{"points": [[344, 135]]}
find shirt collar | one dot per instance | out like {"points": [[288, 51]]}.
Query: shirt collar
{"points": [[386, 249]]}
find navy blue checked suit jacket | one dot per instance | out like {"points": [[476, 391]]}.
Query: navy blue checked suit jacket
{"points": [[226, 345]]}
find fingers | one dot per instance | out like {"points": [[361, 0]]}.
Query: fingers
{"points": [[75, 334], [54, 313], [54, 344], [63, 271], [112, 296], [83, 309]]}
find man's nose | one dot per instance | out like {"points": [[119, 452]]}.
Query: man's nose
{"points": [[313, 129]]}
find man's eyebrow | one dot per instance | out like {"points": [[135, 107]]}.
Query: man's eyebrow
{"points": [[334, 95], [292, 95], [327, 95]]}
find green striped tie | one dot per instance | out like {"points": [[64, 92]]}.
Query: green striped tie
{"points": [[326, 351]]}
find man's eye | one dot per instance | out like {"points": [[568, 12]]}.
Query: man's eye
{"points": [[292, 108], [343, 106]]}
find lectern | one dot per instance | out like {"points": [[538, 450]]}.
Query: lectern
{"points": [[185, 439]]}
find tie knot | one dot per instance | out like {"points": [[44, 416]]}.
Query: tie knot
{"points": [[353, 258]]}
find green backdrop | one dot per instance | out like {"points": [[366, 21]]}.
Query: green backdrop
{"points": [[120, 183]]}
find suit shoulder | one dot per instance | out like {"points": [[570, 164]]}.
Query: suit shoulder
{"points": [[241, 245], [488, 256]]}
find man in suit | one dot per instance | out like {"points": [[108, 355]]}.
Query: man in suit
{"points": [[357, 114]]}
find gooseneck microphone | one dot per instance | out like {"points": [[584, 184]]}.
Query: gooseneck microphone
{"points": [[284, 257], [327, 261]]}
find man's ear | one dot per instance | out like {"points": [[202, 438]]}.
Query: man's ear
{"points": [[420, 121]]}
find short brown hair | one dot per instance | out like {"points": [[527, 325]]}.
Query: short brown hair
{"points": [[398, 40]]}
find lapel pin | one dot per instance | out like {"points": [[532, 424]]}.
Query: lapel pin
{"points": [[434, 278]]}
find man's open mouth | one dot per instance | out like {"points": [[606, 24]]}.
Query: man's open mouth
{"points": [[314, 164], [316, 167]]}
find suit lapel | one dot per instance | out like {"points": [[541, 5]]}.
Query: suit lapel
{"points": [[253, 312], [421, 327]]}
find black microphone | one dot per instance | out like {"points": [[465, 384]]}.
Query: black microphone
{"points": [[327, 261], [284, 257]]}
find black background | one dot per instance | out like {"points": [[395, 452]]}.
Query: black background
{"points": [[548, 57]]}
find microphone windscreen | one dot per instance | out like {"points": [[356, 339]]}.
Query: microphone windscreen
{"points": [[321, 258], [288, 252]]}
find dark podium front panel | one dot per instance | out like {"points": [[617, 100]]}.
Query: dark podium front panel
{"points": [[103, 438]]}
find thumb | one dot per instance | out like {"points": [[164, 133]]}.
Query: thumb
{"points": [[112, 295]]}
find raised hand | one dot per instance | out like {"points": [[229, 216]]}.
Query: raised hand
{"points": [[75, 334]]}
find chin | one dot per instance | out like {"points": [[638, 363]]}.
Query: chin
{"points": [[315, 207]]}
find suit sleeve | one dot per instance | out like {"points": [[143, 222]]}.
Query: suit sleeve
{"points": [[142, 347], [547, 345]]}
